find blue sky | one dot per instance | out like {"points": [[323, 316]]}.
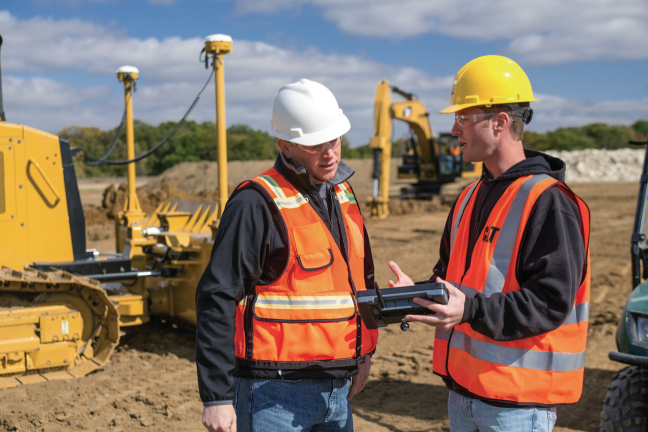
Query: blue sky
{"points": [[586, 59]]}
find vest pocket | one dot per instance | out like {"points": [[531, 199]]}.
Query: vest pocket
{"points": [[313, 270], [316, 261]]}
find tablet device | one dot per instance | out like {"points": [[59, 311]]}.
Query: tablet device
{"points": [[380, 307]]}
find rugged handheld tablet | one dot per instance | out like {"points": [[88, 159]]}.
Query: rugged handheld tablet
{"points": [[379, 307]]}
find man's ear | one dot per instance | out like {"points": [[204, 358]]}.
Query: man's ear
{"points": [[502, 122], [286, 148]]}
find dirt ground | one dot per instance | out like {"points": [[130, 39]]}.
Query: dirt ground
{"points": [[150, 384]]}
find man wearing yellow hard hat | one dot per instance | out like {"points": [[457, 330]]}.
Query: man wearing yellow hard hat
{"points": [[510, 343]]}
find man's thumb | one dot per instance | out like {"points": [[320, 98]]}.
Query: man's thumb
{"points": [[395, 269]]}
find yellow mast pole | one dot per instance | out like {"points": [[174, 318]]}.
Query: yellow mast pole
{"points": [[128, 75], [218, 45]]}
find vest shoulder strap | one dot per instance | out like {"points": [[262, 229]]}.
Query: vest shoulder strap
{"points": [[284, 194]]}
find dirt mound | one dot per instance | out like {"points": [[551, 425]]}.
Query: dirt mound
{"points": [[195, 177], [114, 200]]}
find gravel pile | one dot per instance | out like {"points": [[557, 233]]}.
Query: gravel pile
{"points": [[587, 166]]}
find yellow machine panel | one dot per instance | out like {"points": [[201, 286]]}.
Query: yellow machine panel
{"points": [[14, 237], [44, 186], [61, 327], [51, 355]]}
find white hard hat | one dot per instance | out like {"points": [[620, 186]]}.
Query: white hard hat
{"points": [[307, 113]]}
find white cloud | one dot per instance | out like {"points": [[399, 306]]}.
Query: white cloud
{"points": [[47, 61], [537, 31], [170, 76], [552, 112]]}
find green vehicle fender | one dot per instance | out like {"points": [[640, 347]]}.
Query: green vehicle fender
{"points": [[627, 334]]}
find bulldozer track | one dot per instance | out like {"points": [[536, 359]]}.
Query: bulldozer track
{"points": [[91, 355]]}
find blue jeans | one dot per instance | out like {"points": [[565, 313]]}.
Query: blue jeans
{"points": [[274, 405], [472, 415]]}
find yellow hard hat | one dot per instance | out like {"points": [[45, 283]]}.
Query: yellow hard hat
{"points": [[489, 80]]}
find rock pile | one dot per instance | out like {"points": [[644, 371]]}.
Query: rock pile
{"points": [[588, 166]]}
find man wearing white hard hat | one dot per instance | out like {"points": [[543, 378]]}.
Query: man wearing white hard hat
{"points": [[280, 343]]}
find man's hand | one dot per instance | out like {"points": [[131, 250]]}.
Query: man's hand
{"points": [[447, 316], [358, 382], [219, 418], [401, 278]]}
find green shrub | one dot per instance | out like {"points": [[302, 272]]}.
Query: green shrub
{"points": [[595, 135]]}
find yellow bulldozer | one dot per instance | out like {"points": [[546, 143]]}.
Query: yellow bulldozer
{"points": [[62, 307], [435, 163]]}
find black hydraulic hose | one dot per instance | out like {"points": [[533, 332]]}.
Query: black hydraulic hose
{"points": [[376, 167], [103, 158], [2, 113], [169, 135]]}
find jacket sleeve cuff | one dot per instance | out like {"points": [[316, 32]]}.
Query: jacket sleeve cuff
{"points": [[469, 310], [216, 403]]}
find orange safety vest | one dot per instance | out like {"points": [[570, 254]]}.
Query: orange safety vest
{"points": [[542, 370], [310, 313]]}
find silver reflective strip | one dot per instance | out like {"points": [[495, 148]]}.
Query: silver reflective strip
{"points": [[295, 201], [520, 358], [348, 302], [455, 223], [579, 313], [271, 183], [442, 334], [506, 237], [468, 291]]}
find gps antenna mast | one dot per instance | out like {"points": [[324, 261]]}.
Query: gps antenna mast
{"points": [[218, 45]]}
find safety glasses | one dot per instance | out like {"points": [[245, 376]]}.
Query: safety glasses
{"points": [[320, 148], [464, 119]]}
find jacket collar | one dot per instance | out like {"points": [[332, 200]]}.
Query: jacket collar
{"points": [[535, 163], [300, 176]]}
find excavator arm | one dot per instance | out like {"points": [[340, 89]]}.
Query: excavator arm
{"points": [[381, 144], [411, 111], [425, 161]]}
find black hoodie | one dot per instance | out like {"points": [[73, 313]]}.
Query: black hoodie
{"points": [[550, 263], [251, 248]]}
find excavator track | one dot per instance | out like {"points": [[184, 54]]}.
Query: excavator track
{"points": [[69, 329]]}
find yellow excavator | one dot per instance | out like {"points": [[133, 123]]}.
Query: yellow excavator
{"points": [[63, 307], [434, 162]]}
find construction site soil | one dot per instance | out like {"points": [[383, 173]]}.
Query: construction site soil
{"points": [[150, 383]]}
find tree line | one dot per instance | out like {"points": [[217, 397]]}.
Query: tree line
{"points": [[197, 141]]}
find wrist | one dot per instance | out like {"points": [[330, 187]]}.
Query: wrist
{"points": [[217, 403]]}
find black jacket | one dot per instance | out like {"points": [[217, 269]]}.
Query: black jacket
{"points": [[551, 260], [251, 248]]}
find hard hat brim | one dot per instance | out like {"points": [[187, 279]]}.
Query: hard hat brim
{"points": [[453, 108], [341, 127]]}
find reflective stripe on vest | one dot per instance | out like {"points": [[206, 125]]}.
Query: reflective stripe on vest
{"points": [[280, 199], [309, 313], [546, 369], [462, 207], [507, 235], [304, 302], [527, 359]]}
